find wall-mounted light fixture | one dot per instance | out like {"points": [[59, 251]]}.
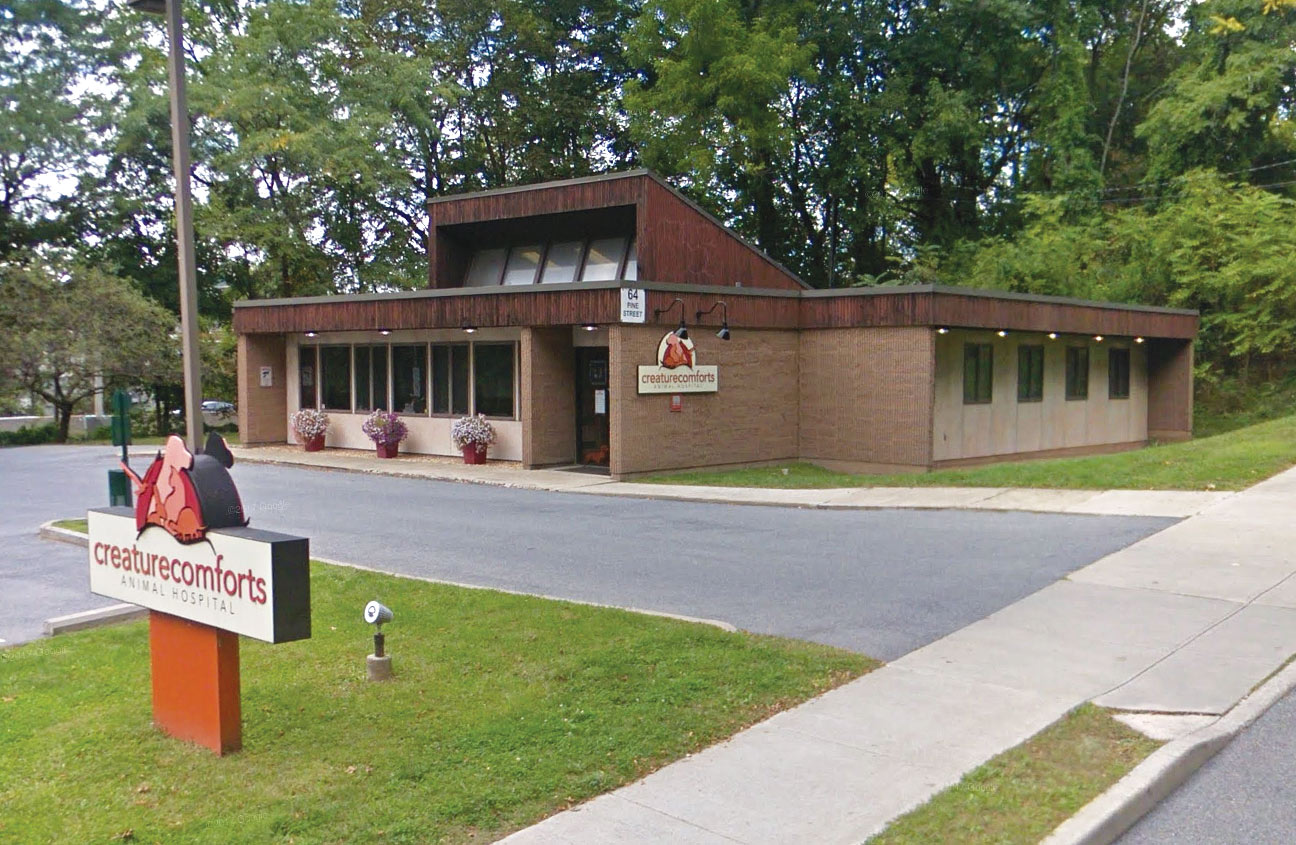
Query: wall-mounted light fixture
{"points": [[680, 331], [723, 334]]}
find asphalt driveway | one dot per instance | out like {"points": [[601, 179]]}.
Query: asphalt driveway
{"points": [[880, 582]]}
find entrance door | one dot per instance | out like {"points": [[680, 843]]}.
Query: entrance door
{"points": [[593, 444]]}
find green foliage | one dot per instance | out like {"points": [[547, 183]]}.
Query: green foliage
{"points": [[32, 435], [503, 709], [66, 331]]}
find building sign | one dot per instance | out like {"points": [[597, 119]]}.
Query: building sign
{"points": [[267, 377], [634, 305], [677, 370]]}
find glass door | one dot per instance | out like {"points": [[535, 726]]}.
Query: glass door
{"points": [[593, 443]]}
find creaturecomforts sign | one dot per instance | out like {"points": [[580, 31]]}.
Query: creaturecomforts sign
{"points": [[186, 550], [677, 370], [242, 580]]}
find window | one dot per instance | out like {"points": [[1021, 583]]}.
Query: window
{"points": [[486, 267], [562, 262], [450, 378], [335, 377], [1118, 372], [523, 262], [978, 373], [493, 379], [370, 378], [1077, 372], [409, 379], [307, 366], [604, 259], [1030, 373]]}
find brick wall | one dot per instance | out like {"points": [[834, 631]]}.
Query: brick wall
{"points": [[548, 397], [751, 418], [262, 411], [866, 396], [1170, 389]]}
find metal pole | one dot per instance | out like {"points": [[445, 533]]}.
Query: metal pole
{"points": [[184, 227]]}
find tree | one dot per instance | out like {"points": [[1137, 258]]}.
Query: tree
{"points": [[66, 332]]}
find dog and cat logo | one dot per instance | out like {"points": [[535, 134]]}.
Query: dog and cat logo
{"points": [[186, 494]]}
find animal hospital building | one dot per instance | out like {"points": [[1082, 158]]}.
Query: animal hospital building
{"points": [[609, 321]]}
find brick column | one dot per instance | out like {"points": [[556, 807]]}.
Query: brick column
{"points": [[262, 411], [548, 397]]}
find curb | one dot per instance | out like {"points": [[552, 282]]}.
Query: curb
{"points": [[49, 532], [1105, 818], [98, 618]]}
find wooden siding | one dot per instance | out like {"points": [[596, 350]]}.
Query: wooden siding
{"points": [[940, 308], [537, 306], [677, 243]]}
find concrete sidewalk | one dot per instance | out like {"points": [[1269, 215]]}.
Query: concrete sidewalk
{"points": [[1166, 503], [1185, 621]]}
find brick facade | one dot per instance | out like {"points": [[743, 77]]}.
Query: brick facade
{"points": [[866, 397], [753, 417], [548, 397], [262, 411]]}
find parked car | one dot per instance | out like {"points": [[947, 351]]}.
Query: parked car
{"points": [[218, 406]]}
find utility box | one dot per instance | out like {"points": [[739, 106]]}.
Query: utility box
{"points": [[119, 489]]}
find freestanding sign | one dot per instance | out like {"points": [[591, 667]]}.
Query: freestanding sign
{"points": [[185, 553]]}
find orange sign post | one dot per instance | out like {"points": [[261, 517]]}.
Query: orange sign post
{"points": [[185, 553]]}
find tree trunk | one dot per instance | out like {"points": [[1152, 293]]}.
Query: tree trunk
{"points": [[63, 415]]}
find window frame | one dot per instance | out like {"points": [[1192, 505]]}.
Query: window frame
{"points": [[452, 346], [1030, 389], [1114, 379], [427, 376], [982, 354], [319, 378], [1077, 379], [315, 379], [630, 244]]}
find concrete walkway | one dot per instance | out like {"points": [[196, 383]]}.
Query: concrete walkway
{"points": [[1185, 621], [1166, 503]]}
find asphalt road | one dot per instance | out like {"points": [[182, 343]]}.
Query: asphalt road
{"points": [[1243, 794], [879, 582]]}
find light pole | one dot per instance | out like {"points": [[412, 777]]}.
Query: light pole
{"points": [[184, 214]]}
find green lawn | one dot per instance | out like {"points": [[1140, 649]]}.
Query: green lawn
{"points": [[1229, 461], [80, 525], [1021, 795], [504, 709]]}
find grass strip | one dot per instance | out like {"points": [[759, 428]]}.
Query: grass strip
{"points": [[1024, 793], [1230, 461], [504, 709], [80, 525]]}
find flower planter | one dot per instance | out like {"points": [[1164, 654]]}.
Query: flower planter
{"points": [[313, 444], [388, 450], [474, 454]]}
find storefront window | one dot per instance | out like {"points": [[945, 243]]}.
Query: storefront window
{"points": [[335, 377], [1030, 374], [307, 367], [632, 262], [409, 379], [978, 373], [370, 378], [1077, 372], [1118, 372], [450, 378], [493, 379]]}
